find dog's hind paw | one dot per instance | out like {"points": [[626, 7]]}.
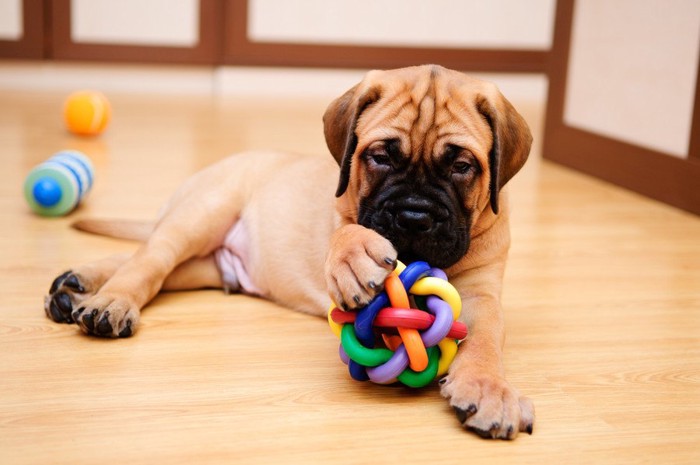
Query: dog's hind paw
{"points": [[65, 295], [107, 316]]}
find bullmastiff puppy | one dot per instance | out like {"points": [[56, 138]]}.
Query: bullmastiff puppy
{"points": [[422, 155]]}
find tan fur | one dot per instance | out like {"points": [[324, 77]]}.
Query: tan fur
{"points": [[121, 229], [297, 228]]}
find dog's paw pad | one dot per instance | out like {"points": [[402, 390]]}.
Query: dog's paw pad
{"points": [[58, 282]]}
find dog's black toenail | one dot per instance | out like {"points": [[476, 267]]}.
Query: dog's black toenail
{"points": [[73, 283], [104, 327], [482, 433], [356, 299], [509, 433], [126, 332], [56, 314], [528, 429], [57, 282], [89, 320], [463, 415], [372, 285], [442, 381], [76, 314], [491, 433], [390, 261]]}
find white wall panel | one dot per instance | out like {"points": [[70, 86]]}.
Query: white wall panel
{"points": [[512, 24], [136, 22], [632, 71], [11, 19]]}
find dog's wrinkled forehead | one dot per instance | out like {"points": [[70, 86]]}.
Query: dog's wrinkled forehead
{"points": [[425, 108]]}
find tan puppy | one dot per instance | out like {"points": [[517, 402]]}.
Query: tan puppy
{"points": [[424, 153]]}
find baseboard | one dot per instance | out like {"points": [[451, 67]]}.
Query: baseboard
{"points": [[226, 81]]}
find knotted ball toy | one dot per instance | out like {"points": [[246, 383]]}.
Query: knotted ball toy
{"points": [[415, 316]]}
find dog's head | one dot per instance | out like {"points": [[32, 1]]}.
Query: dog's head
{"points": [[423, 152]]}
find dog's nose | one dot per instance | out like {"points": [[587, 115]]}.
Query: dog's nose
{"points": [[414, 221]]}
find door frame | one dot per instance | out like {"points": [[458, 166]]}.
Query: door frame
{"points": [[652, 173]]}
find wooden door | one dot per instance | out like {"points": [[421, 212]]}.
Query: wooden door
{"points": [[509, 49], [163, 31], [22, 29]]}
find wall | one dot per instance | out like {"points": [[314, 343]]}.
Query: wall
{"points": [[437, 23], [136, 22], [632, 71], [10, 19]]}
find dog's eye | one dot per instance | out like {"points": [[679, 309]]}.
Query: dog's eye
{"points": [[379, 154], [384, 154], [380, 158], [461, 167], [459, 161]]}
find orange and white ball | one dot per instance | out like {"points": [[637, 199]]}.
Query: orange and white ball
{"points": [[87, 113]]}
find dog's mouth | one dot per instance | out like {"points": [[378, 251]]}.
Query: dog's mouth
{"points": [[420, 229]]}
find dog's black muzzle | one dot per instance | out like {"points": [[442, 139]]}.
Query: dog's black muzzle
{"points": [[419, 227]]}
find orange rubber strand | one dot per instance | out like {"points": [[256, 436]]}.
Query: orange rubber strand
{"points": [[417, 355], [392, 342]]}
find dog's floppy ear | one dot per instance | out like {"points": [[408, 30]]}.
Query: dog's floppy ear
{"points": [[511, 140], [339, 123]]}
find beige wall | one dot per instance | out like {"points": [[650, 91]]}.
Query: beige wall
{"points": [[632, 71], [514, 24], [10, 19], [140, 22]]}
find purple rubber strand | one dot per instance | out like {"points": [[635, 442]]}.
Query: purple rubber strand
{"points": [[442, 324], [438, 273], [385, 372], [343, 355]]}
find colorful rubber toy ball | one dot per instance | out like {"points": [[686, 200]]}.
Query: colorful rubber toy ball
{"points": [[408, 333]]}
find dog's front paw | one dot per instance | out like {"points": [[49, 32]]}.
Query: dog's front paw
{"points": [[358, 262], [488, 405], [107, 316], [67, 292]]}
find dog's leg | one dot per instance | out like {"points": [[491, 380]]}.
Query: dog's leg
{"points": [[185, 232], [195, 273], [71, 288], [193, 225], [476, 386]]}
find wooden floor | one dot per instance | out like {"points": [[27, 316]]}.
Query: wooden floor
{"points": [[602, 301]]}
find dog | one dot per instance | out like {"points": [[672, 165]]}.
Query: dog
{"points": [[421, 158]]}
